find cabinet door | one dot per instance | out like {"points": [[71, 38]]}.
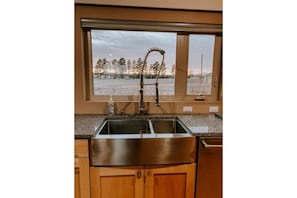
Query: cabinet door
{"points": [[209, 168], [172, 181], [82, 183], [122, 182]]}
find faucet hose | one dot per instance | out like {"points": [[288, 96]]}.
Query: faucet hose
{"points": [[157, 95]]}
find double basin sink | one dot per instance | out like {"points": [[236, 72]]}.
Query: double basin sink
{"points": [[142, 141]]}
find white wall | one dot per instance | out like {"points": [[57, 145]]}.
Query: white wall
{"points": [[213, 5]]}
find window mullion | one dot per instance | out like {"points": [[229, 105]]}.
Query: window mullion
{"points": [[216, 66], [181, 64]]}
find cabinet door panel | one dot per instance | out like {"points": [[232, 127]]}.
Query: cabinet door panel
{"points": [[170, 185], [117, 182], [81, 177], [172, 181]]}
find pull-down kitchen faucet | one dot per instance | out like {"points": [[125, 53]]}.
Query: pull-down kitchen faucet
{"points": [[141, 106]]}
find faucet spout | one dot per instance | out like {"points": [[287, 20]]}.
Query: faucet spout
{"points": [[141, 105]]}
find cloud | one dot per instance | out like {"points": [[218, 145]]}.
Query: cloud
{"points": [[132, 44]]}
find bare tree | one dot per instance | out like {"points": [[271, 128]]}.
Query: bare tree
{"points": [[154, 67], [173, 69], [114, 62], [163, 70], [122, 61]]}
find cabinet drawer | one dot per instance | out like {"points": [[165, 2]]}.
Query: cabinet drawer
{"points": [[81, 148]]}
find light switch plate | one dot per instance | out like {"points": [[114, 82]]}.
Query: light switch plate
{"points": [[187, 109], [213, 109]]}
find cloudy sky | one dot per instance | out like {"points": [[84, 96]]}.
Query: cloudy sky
{"points": [[134, 44]]}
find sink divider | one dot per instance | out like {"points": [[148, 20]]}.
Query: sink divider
{"points": [[151, 126]]}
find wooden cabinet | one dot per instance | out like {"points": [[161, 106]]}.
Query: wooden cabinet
{"points": [[209, 168], [117, 182], [81, 169], [170, 181], [175, 181]]}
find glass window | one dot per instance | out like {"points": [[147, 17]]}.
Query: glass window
{"points": [[118, 55], [200, 64]]}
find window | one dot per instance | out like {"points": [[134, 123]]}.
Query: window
{"points": [[200, 64], [114, 51], [117, 58]]}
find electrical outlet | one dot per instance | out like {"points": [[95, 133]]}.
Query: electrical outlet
{"points": [[187, 109], [214, 109]]}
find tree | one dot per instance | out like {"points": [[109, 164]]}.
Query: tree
{"points": [[114, 62], [154, 67], [138, 65], [104, 61], [173, 69], [129, 65], [163, 70], [99, 64], [122, 61], [121, 69]]}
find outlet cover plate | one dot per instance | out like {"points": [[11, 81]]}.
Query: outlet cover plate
{"points": [[213, 109], [187, 109]]}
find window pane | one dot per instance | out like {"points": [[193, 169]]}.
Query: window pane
{"points": [[200, 68], [118, 55]]}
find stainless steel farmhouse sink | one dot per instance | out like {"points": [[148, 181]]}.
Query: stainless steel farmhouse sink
{"points": [[172, 125], [124, 126], [142, 141]]}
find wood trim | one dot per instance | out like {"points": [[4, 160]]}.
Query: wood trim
{"points": [[115, 171], [216, 68], [82, 169], [81, 148], [150, 26], [148, 14], [181, 68]]}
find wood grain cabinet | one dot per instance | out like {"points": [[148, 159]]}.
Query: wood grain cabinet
{"points": [[175, 181], [81, 169], [209, 168], [171, 181]]}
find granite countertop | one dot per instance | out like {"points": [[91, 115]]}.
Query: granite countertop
{"points": [[202, 125], [86, 125]]}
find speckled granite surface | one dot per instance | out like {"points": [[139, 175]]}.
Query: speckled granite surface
{"points": [[203, 124], [199, 124], [86, 125]]}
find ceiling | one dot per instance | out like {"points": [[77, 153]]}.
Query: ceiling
{"points": [[210, 5]]}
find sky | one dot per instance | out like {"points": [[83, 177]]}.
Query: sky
{"points": [[134, 44]]}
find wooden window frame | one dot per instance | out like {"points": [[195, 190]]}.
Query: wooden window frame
{"points": [[183, 31]]}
